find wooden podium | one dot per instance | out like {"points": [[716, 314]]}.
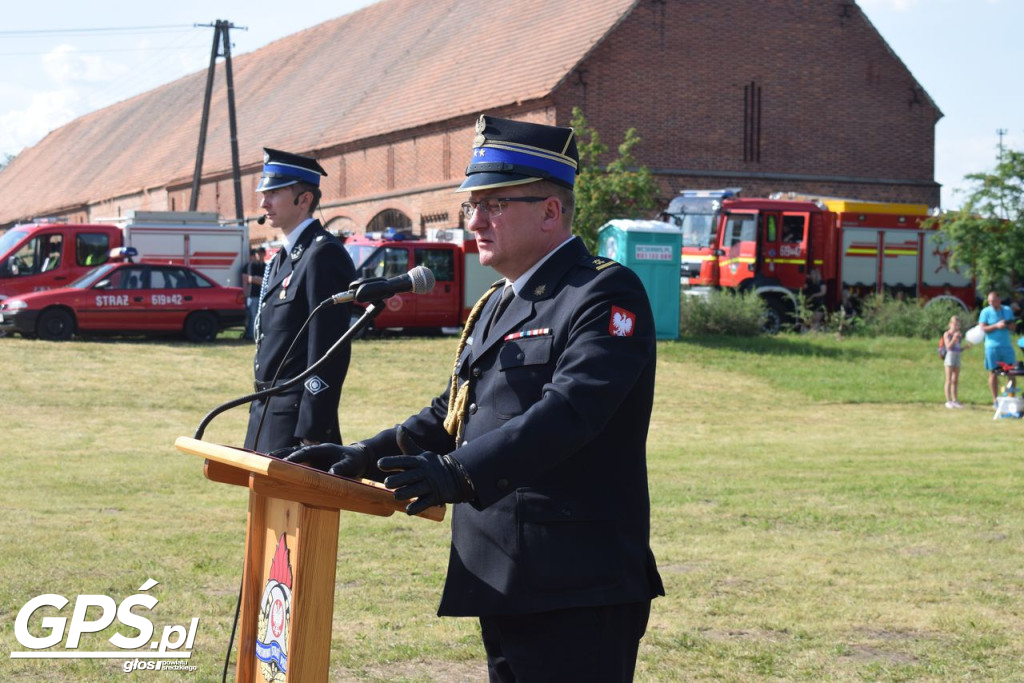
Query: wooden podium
{"points": [[291, 548]]}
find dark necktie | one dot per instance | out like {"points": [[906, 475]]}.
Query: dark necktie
{"points": [[507, 294], [278, 262]]}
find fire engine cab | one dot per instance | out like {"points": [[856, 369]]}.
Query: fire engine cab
{"points": [[769, 245], [453, 258]]}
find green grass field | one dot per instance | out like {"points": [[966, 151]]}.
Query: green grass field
{"points": [[817, 513]]}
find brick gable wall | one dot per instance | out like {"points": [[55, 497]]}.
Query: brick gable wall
{"points": [[839, 113], [834, 112]]}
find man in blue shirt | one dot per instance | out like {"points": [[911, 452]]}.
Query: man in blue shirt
{"points": [[997, 321]]}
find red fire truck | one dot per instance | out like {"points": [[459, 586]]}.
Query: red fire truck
{"points": [[453, 258], [39, 256], [696, 214], [769, 245]]}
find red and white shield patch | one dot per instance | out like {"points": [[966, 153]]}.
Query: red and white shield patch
{"points": [[622, 322]]}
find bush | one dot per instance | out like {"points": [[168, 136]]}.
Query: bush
{"points": [[722, 312], [884, 316], [880, 315]]}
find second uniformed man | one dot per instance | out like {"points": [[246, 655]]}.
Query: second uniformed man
{"points": [[311, 266]]}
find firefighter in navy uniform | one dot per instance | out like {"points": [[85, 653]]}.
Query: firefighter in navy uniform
{"points": [[540, 438], [311, 266]]}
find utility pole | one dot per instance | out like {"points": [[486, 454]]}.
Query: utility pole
{"points": [[1001, 132], [221, 36]]}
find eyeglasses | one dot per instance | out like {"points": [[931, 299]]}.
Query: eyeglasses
{"points": [[495, 206]]}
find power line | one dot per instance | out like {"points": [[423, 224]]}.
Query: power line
{"points": [[86, 31], [116, 32], [146, 75], [93, 52], [151, 69]]}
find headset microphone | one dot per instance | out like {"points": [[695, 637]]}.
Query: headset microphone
{"points": [[262, 219]]}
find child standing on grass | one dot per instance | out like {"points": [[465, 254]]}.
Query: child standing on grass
{"points": [[951, 339]]}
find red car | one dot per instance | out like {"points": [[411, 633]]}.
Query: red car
{"points": [[128, 297]]}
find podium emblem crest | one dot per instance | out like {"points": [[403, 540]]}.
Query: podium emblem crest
{"points": [[275, 616]]}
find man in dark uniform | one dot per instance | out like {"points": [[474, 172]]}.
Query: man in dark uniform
{"points": [[311, 266], [540, 438]]}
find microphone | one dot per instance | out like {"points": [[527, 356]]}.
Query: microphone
{"points": [[419, 280], [262, 219]]}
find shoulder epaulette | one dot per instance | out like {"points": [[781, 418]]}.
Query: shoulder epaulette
{"points": [[599, 262]]}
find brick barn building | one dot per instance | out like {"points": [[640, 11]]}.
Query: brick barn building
{"points": [[767, 95]]}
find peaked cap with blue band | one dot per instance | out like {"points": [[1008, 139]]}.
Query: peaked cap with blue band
{"points": [[281, 169], [509, 152]]}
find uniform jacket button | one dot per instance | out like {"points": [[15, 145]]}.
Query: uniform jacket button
{"points": [[472, 409], [477, 372], [502, 484]]}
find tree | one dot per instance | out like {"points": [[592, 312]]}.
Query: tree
{"points": [[5, 160], [986, 235], [619, 190]]}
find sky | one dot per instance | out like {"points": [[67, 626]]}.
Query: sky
{"points": [[81, 56]]}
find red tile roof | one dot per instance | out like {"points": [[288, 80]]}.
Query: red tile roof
{"points": [[393, 66]]}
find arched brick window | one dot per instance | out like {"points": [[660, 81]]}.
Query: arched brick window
{"points": [[389, 218]]}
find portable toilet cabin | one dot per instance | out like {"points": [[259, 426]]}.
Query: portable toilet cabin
{"points": [[653, 250]]}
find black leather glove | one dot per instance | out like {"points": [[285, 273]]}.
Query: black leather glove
{"points": [[430, 478], [283, 453], [345, 461]]}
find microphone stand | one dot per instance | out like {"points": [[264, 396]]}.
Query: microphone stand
{"points": [[372, 311]]}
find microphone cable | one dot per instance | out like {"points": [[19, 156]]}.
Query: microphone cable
{"points": [[199, 435], [419, 280], [371, 312]]}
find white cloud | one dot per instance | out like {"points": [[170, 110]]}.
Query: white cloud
{"points": [[959, 156], [67, 67], [45, 111], [63, 90]]}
